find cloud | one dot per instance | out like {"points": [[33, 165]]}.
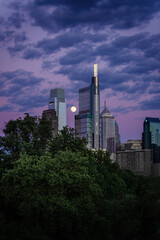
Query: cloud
{"points": [[70, 3], [16, 49], [30, 101], [16, 19], [48, 65], [8, 36], [22, 89], [20, 76], [124, 110], [67, 40], [151, 104], [63, 41], [6, 108], [78, 55], [21, 37], [155, 89], [31, 54], [93, 13]]}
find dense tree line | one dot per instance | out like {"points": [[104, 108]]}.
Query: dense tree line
{"points": [[58, 189]]}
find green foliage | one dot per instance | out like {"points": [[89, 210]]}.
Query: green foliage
{"points": [[68, 139], [58, 189], [30, 135], [62, 187]]}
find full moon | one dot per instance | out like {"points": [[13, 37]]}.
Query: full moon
{"points": [[73, 109]]}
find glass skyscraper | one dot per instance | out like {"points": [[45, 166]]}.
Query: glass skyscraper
{"points": [[108, 135], [151, 137], [57, 101], [117, 135], [87, 122]]}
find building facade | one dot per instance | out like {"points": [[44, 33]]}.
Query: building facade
{"points": [[57, 101], [137, 161], [117, 135], [151, 137], [108, 134], [87, 122], [51, 115]]}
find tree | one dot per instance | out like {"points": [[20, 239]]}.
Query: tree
{"points": [[58, 189], [68, 139], [59, 192], [30, 135]]}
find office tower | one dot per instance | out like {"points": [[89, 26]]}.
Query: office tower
{"points": [[151, 137], [57, 101], [87, 122], [51, 115], [108, 140], [117, 135]]}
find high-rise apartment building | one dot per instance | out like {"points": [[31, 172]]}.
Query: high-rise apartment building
{"points": [[108, 136], [57, 101], [151, 137], [87, 122]]}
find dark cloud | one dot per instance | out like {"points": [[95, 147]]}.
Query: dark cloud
{"points": [[63, 41], [155, 89], [78, 55], [30, 101], [140, 67], [16, 49], [128, 52], [8, 37], [48, 65], [151, 104], [94, 13], [21, 37], [68, 39], [16, 5], [123, 110], [118, 81], [1, 20], [76, 73], [16, 19], [7, 108], [21, 77], [21, 89], [31, 54], [2, 36], [70, 3]]}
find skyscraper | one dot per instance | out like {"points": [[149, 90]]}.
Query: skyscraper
{"points": [[50, 114], [87, 122], [108, 140], [151, 137], [117, 135], [57, 101]]}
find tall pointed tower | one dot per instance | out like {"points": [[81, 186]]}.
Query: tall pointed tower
{"points": [[108, 141], [87, 122], [96, 108]]}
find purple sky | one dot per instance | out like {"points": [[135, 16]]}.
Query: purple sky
{"points": [[54, 43]]}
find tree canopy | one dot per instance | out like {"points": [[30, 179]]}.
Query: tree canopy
{"points": [[58, 189], [30, 135]]}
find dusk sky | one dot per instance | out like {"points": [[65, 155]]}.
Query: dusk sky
{"points": [[46, 44]]}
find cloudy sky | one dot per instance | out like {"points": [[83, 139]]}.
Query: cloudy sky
{"points": [[54, 43]]}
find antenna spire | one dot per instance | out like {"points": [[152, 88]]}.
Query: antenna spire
{"points": [[95, 70]]}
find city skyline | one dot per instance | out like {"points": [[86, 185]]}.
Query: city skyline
{"points": [[48, 44]]}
